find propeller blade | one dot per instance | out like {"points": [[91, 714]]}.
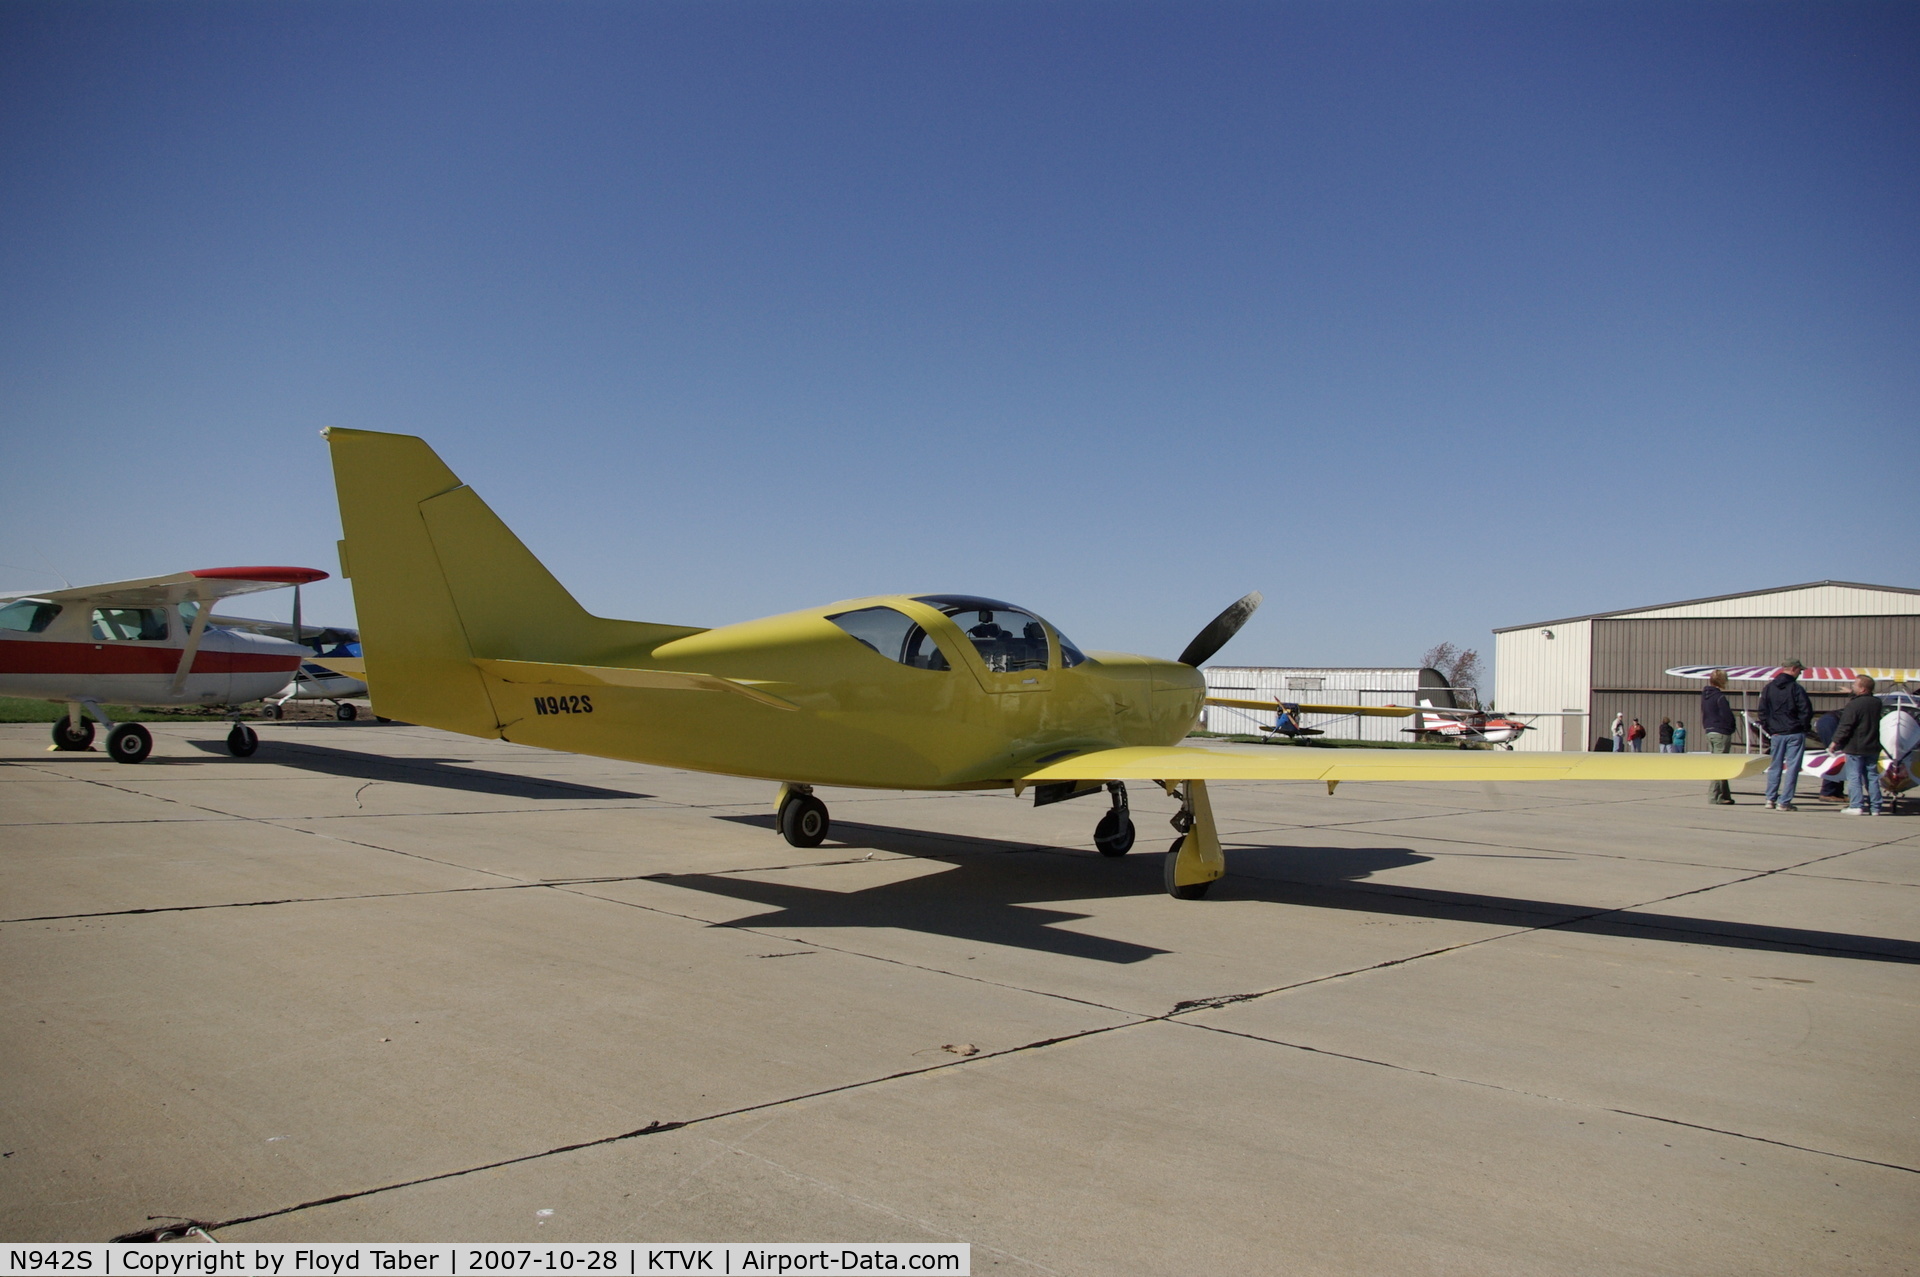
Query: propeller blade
{"points": [[298, 635], [1219, 630]]}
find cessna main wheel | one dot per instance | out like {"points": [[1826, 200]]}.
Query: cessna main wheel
{"points": [[345, 712], [129, 743], [68, 737], [241, 741], [1113, 836], [270, 710], [803, 821], [1193, 890]]}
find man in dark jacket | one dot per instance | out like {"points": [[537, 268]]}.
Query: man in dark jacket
{"points": [[1858, 737], [1716, 720], [1785, 711]]}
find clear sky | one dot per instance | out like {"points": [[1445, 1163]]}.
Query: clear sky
{"points": [[1420, 318]]}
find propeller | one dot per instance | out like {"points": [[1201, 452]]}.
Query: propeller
{"points": [[1219, 630]]}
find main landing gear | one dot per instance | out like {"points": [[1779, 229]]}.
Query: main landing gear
{"points": [[1113, 836], [1195, 860], [801, 817], [129, 743], [72, 734]]}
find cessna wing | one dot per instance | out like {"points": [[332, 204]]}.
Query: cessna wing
{"points": [[203, 584], [1818, 674]]}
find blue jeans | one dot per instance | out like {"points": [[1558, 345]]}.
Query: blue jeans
{"points": [[1783, 773], [1863, 782]]}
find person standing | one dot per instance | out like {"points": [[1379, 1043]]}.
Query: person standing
{"points": [[1858, 737], [1679, 738], [1786, 712], [1636, 737], [1716, 720], [1666, 735], [1620, 733]]}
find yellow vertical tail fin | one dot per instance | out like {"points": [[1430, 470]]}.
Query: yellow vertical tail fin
{"points": [[439, 580]]}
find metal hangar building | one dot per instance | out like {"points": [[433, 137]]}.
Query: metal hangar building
{"points": [[1616, 662]]}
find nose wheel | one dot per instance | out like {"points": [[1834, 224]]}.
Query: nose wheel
{"points": [[802, 818], [241, 741], [1113, 836]]}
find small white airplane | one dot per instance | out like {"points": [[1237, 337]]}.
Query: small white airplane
{"points": [[313, 681], [1478, 727], [145, 642]]}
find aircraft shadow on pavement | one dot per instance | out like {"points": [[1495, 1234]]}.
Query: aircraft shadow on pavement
{"points": [[996, 892], [435, 772]]}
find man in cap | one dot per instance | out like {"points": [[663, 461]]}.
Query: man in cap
{"points": [[1786, 712]]}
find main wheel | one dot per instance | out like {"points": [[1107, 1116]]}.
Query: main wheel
{"points": [[803, 821], [129, 743], [241, 741], [345, 712], [270, 710], [1193, 890], [1113, 836], [66, 736]]}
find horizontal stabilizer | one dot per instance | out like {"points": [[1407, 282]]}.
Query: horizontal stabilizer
{"points": [[545, 672]]}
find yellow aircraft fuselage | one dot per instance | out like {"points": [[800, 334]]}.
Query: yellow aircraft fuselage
{"points": [[858, 718], [465, 629]]}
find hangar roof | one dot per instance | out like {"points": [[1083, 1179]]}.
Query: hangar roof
{"points": [[1716, 598]]}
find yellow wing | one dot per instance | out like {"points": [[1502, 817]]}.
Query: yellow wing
{"points": [[1174, 762], [1366, 711]]}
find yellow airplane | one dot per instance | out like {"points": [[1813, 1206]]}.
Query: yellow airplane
{"points": [[463, 629]]}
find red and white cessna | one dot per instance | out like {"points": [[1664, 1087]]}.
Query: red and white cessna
{"points": [[144, 642]]}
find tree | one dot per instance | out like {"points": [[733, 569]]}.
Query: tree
{"points": [[1461, 666]]}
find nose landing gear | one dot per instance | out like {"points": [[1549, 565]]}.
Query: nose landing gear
{"points": [[802, 818]]}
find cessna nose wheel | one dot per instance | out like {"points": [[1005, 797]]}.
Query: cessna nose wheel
{"points": [[241, 741]]}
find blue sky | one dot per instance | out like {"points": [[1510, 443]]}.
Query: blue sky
{"points": [[1420, 318]]}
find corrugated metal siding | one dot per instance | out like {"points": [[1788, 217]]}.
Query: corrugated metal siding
{"points": [[1630, 658], [1335, 686], [1821, 600], [1535, 673], [1634, 654]]}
